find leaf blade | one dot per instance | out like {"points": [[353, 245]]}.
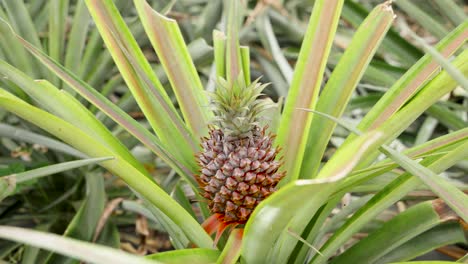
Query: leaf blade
{"points": [[134, 178], [52, 169], [410, 223], [342, 82], [71, 247], [168, 43], [307, 78], [117, 114], [142, 81]]}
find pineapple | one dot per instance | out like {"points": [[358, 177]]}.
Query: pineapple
{"points": [[238, 161]]}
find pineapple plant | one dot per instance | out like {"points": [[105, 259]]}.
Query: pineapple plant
{"points": [[239, 168], [335, 188]]}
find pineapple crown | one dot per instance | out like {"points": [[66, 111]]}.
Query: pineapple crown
{"points": [[237, 107]]}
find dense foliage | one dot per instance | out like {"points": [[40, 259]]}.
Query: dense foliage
{"points": [[104, 107]]}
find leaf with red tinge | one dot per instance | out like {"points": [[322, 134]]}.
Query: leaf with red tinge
{"points": [[110, 109], [233, 247], [214, 224], [305, 84], [143, 82], [168, 42], [412, 81], [343, 81]]}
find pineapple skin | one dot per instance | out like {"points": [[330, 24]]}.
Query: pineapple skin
{"points": [[237, 173]]}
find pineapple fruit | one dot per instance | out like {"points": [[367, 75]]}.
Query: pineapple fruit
{"points": [[238, 160]]}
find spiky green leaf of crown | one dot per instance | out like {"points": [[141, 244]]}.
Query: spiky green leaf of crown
{"points": [[237, 107]]}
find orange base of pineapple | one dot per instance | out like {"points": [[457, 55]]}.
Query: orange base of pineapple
{"points": [[216, 224]]}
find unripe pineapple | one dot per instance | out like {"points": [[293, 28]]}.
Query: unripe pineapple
{"points": [[238, 166]]}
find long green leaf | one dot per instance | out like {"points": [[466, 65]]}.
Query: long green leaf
{"points": [[341, 84], [233, 53], [435, 89], [271, 217], [77, 38], [336, 170], [299, 199], [142, 81], [21, 20], [71, 247], [65, 106], [458, 76], [51, 169], [451, 195], [245, 63], [17, 55], [305, 86], [119, 166], [93, 52], [232, 249], [408, 224], [455, 198], [22, 23], [383, 199], [219, 44], [439, 236], [34, 138], [68, 108], [195, 256], [167, 40], [315, 225], [439, 145], [412, 81], [118, 115], [58, 10]]}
